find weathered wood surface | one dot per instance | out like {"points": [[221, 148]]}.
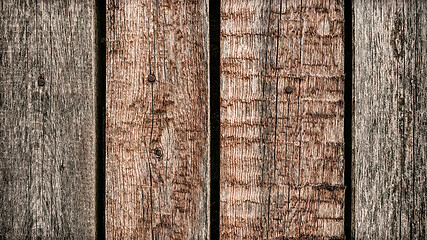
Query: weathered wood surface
{"points": [[389, 123], [47, 163], [282, 119], [157, 133]]}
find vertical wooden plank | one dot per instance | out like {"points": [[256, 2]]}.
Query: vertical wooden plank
{"points": [[376, 134], [389, 137], [416, 53], [282, 82], [157, 131], [47, 167]]}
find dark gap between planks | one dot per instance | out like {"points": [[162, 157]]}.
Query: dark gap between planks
{"points": [[100, 75], [214, 67], [348, 113]]}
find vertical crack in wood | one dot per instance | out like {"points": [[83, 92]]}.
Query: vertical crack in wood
{"points": [[299, 117], [275, 118]]}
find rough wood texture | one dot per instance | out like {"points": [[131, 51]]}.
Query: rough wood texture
{"points": [[282, 82], [47, 131], [389, 124], [157, 132]]}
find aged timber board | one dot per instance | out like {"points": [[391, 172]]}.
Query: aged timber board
{"points": [[389, 120], [282, 119], [157, 131], [47, 107]]}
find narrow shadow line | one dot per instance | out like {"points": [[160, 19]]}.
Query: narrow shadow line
{"points": [[214, 67], [348, 115], [100, 83]]}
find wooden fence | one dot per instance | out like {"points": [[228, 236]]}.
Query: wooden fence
{"points": [[252, 119]]}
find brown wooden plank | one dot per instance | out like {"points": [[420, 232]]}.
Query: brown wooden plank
{"points": [[157, 133], [47, 166], [389, 123], [282, 119]]}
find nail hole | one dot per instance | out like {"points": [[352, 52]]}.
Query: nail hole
{"points": [[151, 78]]}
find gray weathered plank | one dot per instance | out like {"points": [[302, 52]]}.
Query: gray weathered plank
{"points": [[47, 184], [389, 123], [157, 132], [282, 112]]}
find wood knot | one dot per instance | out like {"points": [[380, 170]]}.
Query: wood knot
{"points": [[289, 89], [41, 82], [158, 152]]}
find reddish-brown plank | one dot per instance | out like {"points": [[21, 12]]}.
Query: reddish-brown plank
{"points": [[282, 119], [157, 132]]}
